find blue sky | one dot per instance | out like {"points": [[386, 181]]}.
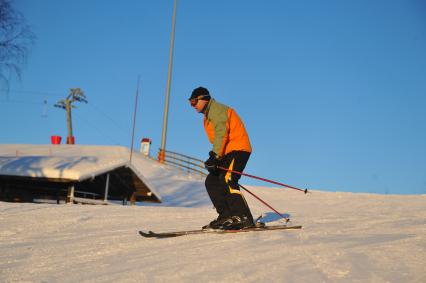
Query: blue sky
{"points": [[333, 93]]}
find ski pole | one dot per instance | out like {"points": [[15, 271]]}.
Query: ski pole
{"points": [[263, 179], [265, 203]]}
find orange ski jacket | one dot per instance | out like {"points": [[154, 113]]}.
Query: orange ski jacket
{"points": [[225, 129]]}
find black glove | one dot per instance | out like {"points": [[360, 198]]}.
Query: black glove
{"points": [[212, 163]]}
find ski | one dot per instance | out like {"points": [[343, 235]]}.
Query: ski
{"points": [[151, 234]]}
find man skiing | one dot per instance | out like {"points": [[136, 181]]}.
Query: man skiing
{"points": [[231, 150]]}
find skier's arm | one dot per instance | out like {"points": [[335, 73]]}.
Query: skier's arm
{"points": [[221, 131]]}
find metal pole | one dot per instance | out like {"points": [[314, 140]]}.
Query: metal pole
{"points": [[265, 203], [263, 179], [161, 154], [134, 119]]}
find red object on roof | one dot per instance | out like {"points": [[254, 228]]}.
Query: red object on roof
{"points": [[55, 139]]}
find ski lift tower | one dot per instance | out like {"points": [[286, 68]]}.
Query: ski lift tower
{"points": [[76, 95]]}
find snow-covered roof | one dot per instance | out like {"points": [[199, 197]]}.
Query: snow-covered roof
{"points": [[69, 162]]}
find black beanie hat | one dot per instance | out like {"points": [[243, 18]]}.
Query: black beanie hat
{"points": [[201, 93]]}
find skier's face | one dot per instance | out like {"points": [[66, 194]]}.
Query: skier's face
{"points": [[199, 105]]}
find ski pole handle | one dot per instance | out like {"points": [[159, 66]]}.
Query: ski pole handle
{"points": [[263, 179]]}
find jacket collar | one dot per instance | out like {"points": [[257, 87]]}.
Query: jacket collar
{"points": [[207, 107]]}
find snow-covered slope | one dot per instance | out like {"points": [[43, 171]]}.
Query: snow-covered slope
{"points": [[346, 238]]}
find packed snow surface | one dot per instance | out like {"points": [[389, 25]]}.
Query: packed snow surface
{"points": [[346, 237]]}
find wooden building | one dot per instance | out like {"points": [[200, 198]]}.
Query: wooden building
{"points": [[73, 173]]}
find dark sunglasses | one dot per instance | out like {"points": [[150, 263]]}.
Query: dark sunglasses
{"points": [[194, 101]]}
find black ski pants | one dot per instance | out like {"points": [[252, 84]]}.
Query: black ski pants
{"points": [[223, 188]]}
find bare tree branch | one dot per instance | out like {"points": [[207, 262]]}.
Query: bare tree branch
{"points": [[16, 38]]}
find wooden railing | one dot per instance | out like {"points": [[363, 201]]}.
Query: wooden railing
{"points": [[185, 162]]}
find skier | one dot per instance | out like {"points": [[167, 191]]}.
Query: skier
{"points": [[231, 149]]}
